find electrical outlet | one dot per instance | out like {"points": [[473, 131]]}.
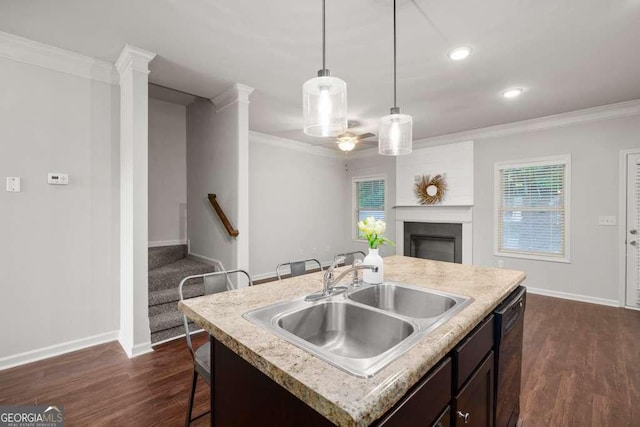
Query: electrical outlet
{"points": [[500, 263], [607, 220]]}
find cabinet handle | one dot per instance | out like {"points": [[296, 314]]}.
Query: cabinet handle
{"points": [[464, 415]]}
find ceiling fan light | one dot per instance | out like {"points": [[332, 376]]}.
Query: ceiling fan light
{"points": [[459, 53], [324, 101], [395, 134], [346, 145]]}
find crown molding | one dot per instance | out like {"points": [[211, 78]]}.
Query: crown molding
{"points": [[236, 93], [53, 58], [135, 58], [604, 112], [290, 144]]}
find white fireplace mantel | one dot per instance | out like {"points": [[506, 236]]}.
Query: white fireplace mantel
{"points": [[453, 214]]}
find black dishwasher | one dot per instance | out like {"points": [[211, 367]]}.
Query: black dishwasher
{"points": [[509, 324]]}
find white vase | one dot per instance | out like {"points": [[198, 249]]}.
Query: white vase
{"points": [[369, 276]]}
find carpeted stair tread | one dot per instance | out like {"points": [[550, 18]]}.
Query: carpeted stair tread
{"points": [[164, 296], [164, 255], [166, 320], [169, 276]]}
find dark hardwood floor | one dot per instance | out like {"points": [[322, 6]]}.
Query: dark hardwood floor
{"points": [[581, 367], [581, 364]]}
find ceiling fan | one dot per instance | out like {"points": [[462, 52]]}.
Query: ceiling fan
{"points": [[347, 141]]}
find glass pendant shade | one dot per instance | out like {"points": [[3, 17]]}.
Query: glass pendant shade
{"points": [[395, 134], [324, 104]]}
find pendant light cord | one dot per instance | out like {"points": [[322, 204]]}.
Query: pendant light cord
{"points": [[395, 104], [324, 40]]}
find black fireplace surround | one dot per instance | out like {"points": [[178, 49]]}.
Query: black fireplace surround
{"points": [[433, 240]]}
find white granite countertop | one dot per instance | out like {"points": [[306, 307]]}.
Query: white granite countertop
{"points": [[344, 399]]}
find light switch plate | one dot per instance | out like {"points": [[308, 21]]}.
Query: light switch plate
{"points": [[607, 220], [13, 184]]}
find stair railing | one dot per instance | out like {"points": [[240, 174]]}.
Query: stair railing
{"points": [[225, 221]]}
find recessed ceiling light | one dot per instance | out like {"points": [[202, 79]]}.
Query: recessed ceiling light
{"points": [[459, 53], [512, 93]]}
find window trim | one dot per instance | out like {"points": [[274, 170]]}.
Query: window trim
{"points": [[353, 222], [538, 161]]}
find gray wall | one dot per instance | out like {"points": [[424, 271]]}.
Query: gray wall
{"points": [[212, 167], [59, 252], [297, 204], [595, 149], [167, 171], [372, 166]]}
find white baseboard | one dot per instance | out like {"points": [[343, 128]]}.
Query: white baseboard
{"points": [[56, 350], [573, 297], [159, 243], [630, 307], [204, 259], [135, 350]]}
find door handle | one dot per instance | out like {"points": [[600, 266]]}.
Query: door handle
{"points": [[633, 243], [464, 415]]}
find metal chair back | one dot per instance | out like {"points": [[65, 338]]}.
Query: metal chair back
{"points": [[215, 282], [349, 257], [297, 268]]}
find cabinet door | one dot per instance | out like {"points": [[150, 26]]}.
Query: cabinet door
{"points": [[425, 402], [473, 406]]}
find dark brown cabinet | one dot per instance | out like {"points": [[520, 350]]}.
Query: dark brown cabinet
{"points": [[424, 404], [458, 391], [473, 405]]}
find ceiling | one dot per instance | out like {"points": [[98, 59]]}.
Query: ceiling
{"points": [[567, 55]]}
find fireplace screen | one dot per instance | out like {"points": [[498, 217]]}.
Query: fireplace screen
{"points": [[436, 241]]}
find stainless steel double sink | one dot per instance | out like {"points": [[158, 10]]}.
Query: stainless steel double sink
{"points": [[364, 329]]}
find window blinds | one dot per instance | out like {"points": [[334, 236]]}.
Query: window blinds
{"points": [[531, 211], [370, 199]]}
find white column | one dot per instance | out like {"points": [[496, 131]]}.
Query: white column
{"points": [[133, 67], [237, 97]]}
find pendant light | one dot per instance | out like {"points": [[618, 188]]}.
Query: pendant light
{"points": [[324, 99], [395, 133]]}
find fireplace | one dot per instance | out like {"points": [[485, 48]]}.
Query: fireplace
{"points": [[431, 240]]}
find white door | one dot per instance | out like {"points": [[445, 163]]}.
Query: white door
{"points": [[633, 231]]}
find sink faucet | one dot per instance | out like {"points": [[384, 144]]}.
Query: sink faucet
{"points": [[329, 281]]}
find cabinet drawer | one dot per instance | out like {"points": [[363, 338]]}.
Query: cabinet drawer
{"points": [[425, 402], [471, 351], [473, 406]]}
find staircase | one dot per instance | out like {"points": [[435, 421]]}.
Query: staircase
{"points": [[168, 265]]}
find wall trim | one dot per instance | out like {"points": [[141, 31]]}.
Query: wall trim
{"points": [[56, 350], [136, 350], [53, 58], [236, 93], [204, 259], [290, 144], [574, 297], [622, 225], [603, 112], [158, 243]]}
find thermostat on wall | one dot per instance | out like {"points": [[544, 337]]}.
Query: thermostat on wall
{"points": [[58, 178]]}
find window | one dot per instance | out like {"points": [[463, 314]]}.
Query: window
{"points": [[369, 195], [532, 209]]}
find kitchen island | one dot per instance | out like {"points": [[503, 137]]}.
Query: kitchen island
{"points": [[339, 397]]}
